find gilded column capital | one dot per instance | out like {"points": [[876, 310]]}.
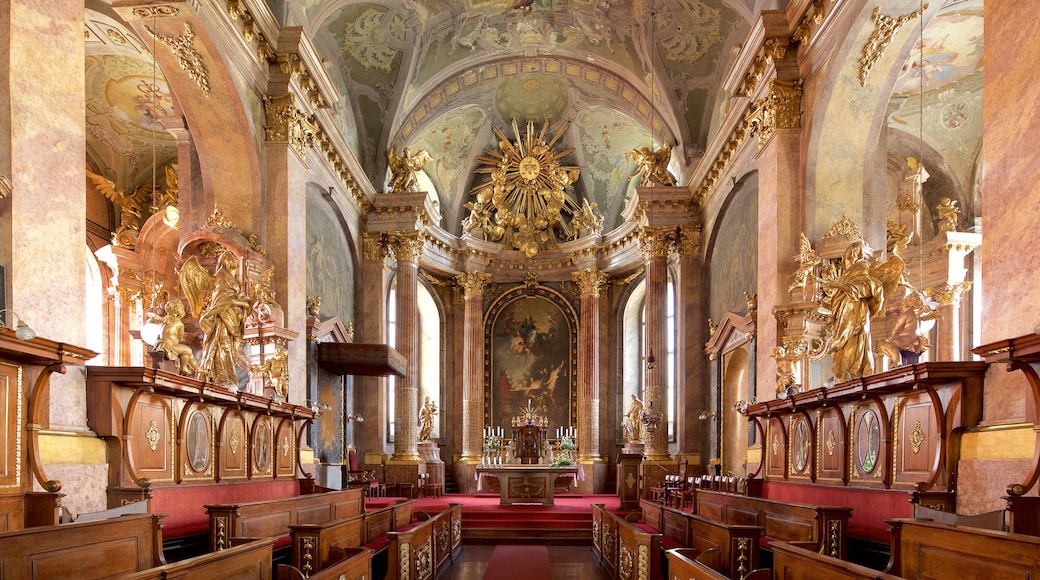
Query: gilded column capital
{"points": [[286, 123], [781, 108], [589, 281], [406, 246], [473, 283], [949, 294], [688, 240], [374, 247], [656, 242]]}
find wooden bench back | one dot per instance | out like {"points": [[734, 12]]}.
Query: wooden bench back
{"points": [[925, 549], [792, 562], [312, 544], [824, 526], [248, 561], [346, 563], [82, 551], [625, 551], [686, 563], [261, 519], [422, 549]]}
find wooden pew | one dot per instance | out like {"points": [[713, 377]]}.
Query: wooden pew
{"points": [[734, 546], [823, 526], [793, 562], [348, 563], [691, 564], [261, 519], [626, 550], [313, 544], [925, 549], [423, 549], [83, 551], [247, 561]]}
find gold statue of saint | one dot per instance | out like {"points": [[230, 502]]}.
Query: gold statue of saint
{"points": [[429, 409], [632, 424], [652, 166], [403, 167], [222, 317], [172, 338]]}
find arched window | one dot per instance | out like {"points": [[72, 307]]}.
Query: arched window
{"points": [[634, 349], [429, 355], [95, 310]]}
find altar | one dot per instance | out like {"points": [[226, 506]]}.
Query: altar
{"points": [[526, 484]]}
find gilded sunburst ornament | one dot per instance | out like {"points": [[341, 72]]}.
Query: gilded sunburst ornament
{"points": [[525, 203]]}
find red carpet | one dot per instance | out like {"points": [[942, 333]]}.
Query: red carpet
{"points": [[519, 562]]}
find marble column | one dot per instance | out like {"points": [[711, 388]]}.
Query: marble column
{"points": [[406, 247], [473, 284], [285, 224], [656, 244], [589, 282], [371, 400]]}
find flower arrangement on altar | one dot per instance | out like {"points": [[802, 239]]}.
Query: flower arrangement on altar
{"points": [[492, 442], [567, 443], [561, 460]]}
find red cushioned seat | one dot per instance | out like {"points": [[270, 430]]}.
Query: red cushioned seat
{"points": [[378, 544]]}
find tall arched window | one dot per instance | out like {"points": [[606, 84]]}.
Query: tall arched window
{"points": [[429, 355], [95, 310], [634, 349]]}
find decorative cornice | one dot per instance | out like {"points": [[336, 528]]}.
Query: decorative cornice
{"points": [[291, 64], [335, 160], [810, 19], [189, 58], [473, 283], [160, 11], [286, 123], [773, 49], [589, 281], [885, 27], [736, 139], [251, 30]]}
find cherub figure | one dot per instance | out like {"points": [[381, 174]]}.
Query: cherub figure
{"points": [[403, 167], [276, 370], [171, 338], [652, 165], [948, 215], [785, 376], [808, 261], [908, 334]]}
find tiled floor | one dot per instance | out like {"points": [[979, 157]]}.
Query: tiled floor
{"points": [[568, 563]]}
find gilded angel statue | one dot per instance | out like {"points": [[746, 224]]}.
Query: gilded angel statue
{"points": [[652, 165], [222, 308], [403, 167], [276, 370], [131, 205], [808, 260], [858, 294]]}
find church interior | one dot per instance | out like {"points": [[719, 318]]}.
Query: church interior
{"points": [[718, 263]]}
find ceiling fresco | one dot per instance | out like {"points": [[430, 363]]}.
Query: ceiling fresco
{"points": [[438, 74]]}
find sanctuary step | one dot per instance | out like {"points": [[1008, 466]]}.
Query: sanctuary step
{"points": [[450, 485], [544, 525]]}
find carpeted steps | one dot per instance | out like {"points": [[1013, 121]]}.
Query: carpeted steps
{"points": [[527, 524]]}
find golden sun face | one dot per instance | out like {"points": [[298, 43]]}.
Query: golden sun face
{"points": [[524, 203]]}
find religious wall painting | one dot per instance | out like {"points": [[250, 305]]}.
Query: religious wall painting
{"points": [[330, 266], [734, 253], [531, 337]]}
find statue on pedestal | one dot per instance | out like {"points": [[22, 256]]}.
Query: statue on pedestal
{"points": [[632, 423]]}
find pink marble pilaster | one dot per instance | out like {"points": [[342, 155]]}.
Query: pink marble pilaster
{"points": [[473, 284], [1011, 252], [42, 151], [371, 329], [406, 248], [656, 244], [590, 282]]}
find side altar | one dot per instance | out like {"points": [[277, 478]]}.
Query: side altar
{"points": [[526, 484]]}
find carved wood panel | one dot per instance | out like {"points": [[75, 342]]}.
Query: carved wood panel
{"points": [[917, 435], [233, 453], [285, 452], [869, 440], [11, 421], [197, 436], [776, 449], [261, 448], [800, 435], [830, 447], [150, 442]]}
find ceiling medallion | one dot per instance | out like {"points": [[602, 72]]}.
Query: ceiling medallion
{"points": [[524, 204]]}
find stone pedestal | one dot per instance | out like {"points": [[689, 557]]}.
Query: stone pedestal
{"points": [[431, 454]]}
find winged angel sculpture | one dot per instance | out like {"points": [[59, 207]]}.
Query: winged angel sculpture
{"points": [[854, 293], [652, 166], [221, 307], [131, 205], [403, 167]]}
